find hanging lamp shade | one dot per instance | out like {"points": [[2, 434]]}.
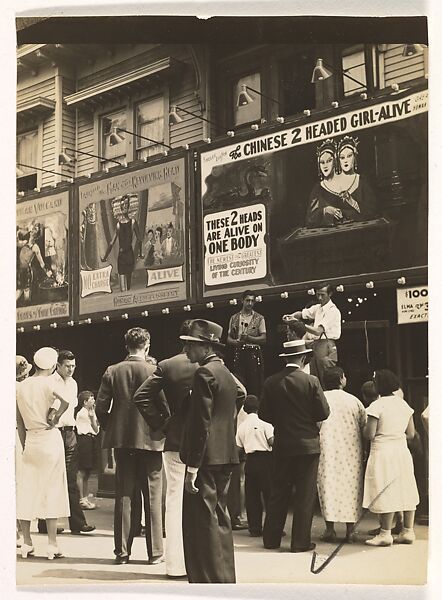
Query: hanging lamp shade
{"points": [[114, 137], [244, 97], [320, 72], [65, 159], [174, 117], [412, 49]]}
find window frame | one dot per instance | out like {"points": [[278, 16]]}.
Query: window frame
{"points": [[38, 128], [129, 106]]}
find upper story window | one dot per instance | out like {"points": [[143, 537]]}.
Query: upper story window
{"points": [[113, 139], [149, 120], [27, 158], [251, 111], [354, 64]]}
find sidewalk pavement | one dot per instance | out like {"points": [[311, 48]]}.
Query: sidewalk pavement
{"points": [[89, 559]]}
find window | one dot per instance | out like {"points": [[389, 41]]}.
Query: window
{"points": [[27, 154], [353, 63], [113, 140], [149, 120], [252, 111]]}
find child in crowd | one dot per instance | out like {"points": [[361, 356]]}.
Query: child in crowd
{"points": [[369, 393], [256, 437], [87, 430]]}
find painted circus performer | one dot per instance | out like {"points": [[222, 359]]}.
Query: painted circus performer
{"points": [[124, 231], [342, 193]]}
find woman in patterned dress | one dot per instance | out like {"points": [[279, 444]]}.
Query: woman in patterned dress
{"points": [[340, 472]]}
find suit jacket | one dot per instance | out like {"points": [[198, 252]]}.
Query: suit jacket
{"points": [[210, 425], [165, 411], [293, 402], [124, 427]]}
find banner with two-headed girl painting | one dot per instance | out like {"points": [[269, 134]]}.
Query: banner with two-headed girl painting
{"points": [[336, 197], [132, 243]]}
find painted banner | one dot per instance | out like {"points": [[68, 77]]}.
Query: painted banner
{"points": [[42, 289], [235, 243], [342, 196], [133, 239], [412, 304]]}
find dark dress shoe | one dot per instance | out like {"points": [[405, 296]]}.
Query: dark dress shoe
{"points": [[121, 560], [84, 529], [311, 546], [239, 525]]}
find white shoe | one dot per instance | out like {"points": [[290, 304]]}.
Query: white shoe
{"points": [[86, 504], [406, 536], [54, 552], [26, 550], [384, 538]]}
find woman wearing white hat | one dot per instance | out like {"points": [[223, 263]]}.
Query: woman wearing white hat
{"points": [[42, 485]]}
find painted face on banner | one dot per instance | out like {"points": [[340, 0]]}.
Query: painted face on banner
{"points": [[327, 164], [347, 160]]}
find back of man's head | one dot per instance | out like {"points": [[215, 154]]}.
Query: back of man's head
{"points": [[251, 404], [296, 330], [136, 338]]}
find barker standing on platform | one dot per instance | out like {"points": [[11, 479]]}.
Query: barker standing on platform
{"points": [[324, 332], [293, 402], [137, 450], [67, 387], [174, 376], [209, 452], [247, 333]]}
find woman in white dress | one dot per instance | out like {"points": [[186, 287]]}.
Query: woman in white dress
{"points": [[42, 484], [389, 484], [341, 471]]}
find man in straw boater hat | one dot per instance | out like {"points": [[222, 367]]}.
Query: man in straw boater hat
{"points": [[209, 451], [293, 402]]}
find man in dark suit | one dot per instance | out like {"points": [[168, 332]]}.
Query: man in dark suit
{"points": [[293, 402], [174, 376], [137, 449], [209, 451]]}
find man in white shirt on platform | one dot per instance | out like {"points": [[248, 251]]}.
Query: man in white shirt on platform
{"points": [[325, 330], [69, 390]]}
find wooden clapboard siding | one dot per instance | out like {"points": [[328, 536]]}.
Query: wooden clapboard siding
{"points": [[400, 69], [68, 126], [85, 143], [45, 89], [48, 150], [191, 128]]}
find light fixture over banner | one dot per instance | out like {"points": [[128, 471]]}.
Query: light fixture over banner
{"points": [[42, 286], [343, 196], [133, 232]]}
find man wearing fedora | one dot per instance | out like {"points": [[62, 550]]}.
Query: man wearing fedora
{"points": [[209, 451], [293, 402]]}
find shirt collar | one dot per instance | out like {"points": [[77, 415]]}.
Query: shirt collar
{"points": [[209, 358], [133, 357], [328, 305], [292, 365]]}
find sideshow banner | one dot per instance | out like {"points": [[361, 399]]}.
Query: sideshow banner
{"points": [[339, 197], [42, 289], [132, 239], [412, 304]]}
